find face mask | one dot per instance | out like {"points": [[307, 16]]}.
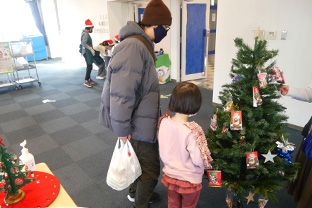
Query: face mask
{"points": [[160, 32]]}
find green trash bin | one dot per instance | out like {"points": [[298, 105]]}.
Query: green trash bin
{"points": [[162, 67]]}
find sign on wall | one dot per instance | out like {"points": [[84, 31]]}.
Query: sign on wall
{"points": [[6, 60]]}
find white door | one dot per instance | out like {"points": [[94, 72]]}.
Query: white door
{"points": [[194, 47]]}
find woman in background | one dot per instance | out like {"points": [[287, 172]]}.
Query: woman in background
{"points": [[301, 188], [104, 49]]}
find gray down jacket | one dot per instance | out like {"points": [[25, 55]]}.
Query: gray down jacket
{"points": [[130, 97]]}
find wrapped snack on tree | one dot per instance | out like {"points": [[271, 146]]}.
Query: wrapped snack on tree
{"points": [[224, 130], [236, 78], [213, 123], [229, 198], [214, 178], [252, 160], [236, 120], [262, 202], [228, 107], [278, 76], [262, 79], [257, 101]]}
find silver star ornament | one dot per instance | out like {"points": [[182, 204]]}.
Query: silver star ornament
{"points": [[268, 157]]}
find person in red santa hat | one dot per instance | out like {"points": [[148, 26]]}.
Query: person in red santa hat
{"points": [[108, 54], [105, 51], [117, 39], [87, 51], [116, 42]]}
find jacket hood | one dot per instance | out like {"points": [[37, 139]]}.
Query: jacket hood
{"points": [[132, 28]]}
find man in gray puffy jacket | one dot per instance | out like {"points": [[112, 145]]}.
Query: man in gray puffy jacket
{"points": [[130, 97]]}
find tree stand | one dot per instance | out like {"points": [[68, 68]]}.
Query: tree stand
{"points": [[239, 203], [16, 198]]}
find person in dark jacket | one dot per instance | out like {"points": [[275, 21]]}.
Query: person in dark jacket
{"points": [[130, 97]]}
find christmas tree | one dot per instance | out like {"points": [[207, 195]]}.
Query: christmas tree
{"points": [[245, 131], [11, 176]]}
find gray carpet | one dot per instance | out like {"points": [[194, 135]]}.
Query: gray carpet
{"points": [[66, 135]]}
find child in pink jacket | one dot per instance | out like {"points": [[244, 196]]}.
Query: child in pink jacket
{"points": [[183, 147]]}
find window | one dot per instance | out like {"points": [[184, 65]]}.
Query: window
{"points": [[16, 20]]}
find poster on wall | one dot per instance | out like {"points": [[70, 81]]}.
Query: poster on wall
{"points": [[6, 60]]}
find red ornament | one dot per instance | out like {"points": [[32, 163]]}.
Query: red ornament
{"points": [[14, 170], [19, 181]]}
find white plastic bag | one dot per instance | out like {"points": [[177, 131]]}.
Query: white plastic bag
{"points": [[26, 50], [18, 65], [124, 167]]}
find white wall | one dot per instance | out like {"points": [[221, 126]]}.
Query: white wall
{"points": [[119, 14], [175, 7], [51, 23], [239, 18], [16, 20], [72, 16]]}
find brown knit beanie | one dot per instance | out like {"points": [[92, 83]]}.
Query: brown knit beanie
{"points": [[156, 13]]}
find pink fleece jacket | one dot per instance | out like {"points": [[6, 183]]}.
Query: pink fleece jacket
{"points": [[180, 152]]}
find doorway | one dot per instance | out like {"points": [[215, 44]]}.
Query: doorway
{"points": [[207, 80], [194, 48]]}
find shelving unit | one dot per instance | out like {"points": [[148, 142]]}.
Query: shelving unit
{"points": [[25, 72], [9, 83], [7, 67]]}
